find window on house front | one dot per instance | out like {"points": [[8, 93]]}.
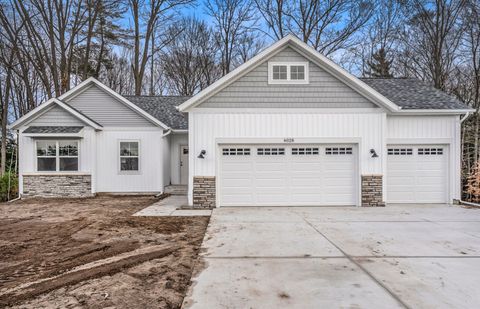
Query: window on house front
{"points": [[297, 72], [279, 72], [57, 156], [288, 73], [129, 156]]}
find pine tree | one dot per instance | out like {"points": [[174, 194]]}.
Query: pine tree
{"points": [[380, 64], [473, 184]]}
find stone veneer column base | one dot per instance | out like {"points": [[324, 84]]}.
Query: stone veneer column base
{"points": [[67, 185], [372, 191], [204, 192]]}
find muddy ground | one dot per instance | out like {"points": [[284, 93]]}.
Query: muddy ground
{"points": [[91, 253]]}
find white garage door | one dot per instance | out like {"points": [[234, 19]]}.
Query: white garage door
{"points": [[293, 175], [417, 174]]}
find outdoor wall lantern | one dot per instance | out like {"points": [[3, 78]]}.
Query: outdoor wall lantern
{"points": [[202, 154], [373, 153]]}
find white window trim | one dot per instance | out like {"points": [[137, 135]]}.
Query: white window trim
{"points": [[119, 165], [57, 156], [288, 80]]}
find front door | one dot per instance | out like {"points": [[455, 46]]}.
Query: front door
{"points": [[183, 165]]}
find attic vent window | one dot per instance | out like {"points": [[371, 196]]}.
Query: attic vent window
{"points": [[288, 72]]}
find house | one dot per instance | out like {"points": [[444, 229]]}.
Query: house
{"points": [[289, 127]]}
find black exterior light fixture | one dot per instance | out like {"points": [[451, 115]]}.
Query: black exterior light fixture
{"points": [[373, 153], [202, 154]]}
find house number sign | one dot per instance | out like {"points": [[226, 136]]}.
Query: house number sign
{"points": [[288, 140]]}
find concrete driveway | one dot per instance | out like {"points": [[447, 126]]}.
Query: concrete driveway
{"points": [[415, 256]]}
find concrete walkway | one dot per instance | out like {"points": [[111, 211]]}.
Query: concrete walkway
{"points": [[414, 256], [170, 207]]}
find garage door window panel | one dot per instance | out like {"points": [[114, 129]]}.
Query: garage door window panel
{"points": [[236, 151], [270, 151], [400, 151], [430, 151], [338, 151]]}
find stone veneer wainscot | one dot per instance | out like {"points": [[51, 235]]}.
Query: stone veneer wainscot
{"points": [[372, 191], [57, 185], [204, 192]]}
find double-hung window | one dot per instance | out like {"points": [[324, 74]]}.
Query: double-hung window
{"points": [[288, 72], [129, 156], [57, 156]]}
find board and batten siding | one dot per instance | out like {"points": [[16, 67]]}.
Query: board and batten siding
{"points": [[107, 110], [207, 127], [253, 90], [150, 178], [56, 116]]}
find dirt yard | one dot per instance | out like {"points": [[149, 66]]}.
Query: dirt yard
{"points": [[91, 253]]}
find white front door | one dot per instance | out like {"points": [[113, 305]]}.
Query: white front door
{"points": [[417, 174], [183, 165], [287, 175]]}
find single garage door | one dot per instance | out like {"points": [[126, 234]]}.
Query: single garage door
{"points": [[293, 175], [417, 174]]}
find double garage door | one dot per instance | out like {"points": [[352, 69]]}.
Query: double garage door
{"points": [[417, 174], [287, 175]]}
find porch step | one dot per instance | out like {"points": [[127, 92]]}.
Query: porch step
{"points": [[176, 189]]}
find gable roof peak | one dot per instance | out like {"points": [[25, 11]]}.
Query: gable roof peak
{"points": [[307, 51]]}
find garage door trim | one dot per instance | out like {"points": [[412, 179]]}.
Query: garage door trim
{"points": [[432, 143], [288, 142]]}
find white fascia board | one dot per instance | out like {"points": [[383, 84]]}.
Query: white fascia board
{"points": [[71, 135], [289, 110], [92, 80], [434, 111], [37, 111], [179, 131], [312, 54]]}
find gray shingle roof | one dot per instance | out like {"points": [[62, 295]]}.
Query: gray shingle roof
{"points": [[410, 93], [52, 129], [163, 108]]}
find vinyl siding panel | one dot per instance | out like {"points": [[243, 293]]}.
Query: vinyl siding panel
{"points": [[253, 90], [56, 116], [107, 110], [151, 175]]}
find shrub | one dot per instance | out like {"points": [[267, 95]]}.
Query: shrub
{"points": [[8, 187]]}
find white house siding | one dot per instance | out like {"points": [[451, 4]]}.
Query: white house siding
{"points": [[107, 110], [27, 155], [56, 116], [253, 90], [176, 141], [151, 174], [207, 127], [430, 130]]}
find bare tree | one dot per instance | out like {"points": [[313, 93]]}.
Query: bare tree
{"points": [[145, 16], [233, 20], [188, 58], [327, 26], [432, 39]]}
